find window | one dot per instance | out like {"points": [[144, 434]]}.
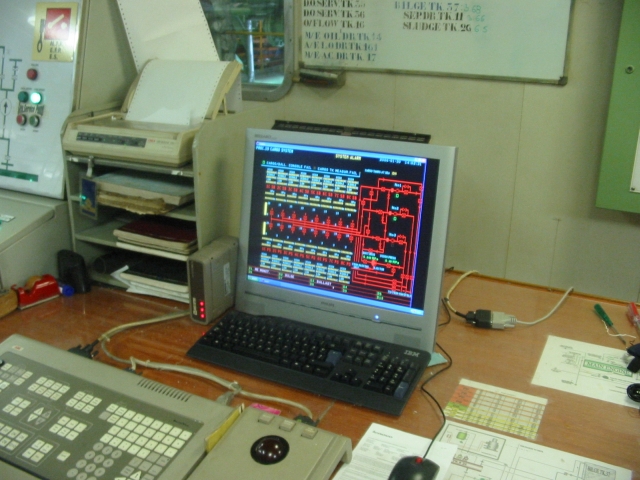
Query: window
{"points": [[259, 34]]}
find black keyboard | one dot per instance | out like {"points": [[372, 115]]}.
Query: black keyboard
{"points": [[357, 370]]}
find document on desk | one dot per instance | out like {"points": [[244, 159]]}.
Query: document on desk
{"points": [[585, 369], [135, 287], [497, 408], [381, 447], [490, 456]]}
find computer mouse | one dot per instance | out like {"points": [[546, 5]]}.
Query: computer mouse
{"points": [[414, 468], [269, 450]]}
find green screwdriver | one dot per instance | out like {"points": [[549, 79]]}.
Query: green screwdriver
{"points": [[605, 318]]}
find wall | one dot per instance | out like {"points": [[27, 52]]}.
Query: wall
{"points": [[529, 155]]}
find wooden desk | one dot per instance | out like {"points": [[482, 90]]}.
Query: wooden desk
{"points": [[508, 359]]}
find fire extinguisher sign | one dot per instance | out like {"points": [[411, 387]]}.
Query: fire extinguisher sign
{"points": [[55, 28]]}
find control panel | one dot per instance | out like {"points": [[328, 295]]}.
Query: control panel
{"points": [[66, 417], [37, 62]]}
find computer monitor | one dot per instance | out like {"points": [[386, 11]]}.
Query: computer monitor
{"points": [[345, 232]]}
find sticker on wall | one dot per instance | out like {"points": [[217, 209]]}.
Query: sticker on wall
{"points": [[88, 198], [55, 32]]}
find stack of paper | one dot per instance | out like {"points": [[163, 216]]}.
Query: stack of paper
{"points": [[162, 273], [143, 192]]}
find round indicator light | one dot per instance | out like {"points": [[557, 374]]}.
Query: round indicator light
{"points": [[34, 120], [32, 74], [21, 119], [23, 97], [36, 98]]}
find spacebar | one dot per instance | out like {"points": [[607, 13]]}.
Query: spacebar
{"points": [[247, 352]]}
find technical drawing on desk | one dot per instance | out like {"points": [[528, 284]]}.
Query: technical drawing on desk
{"points": [[491, 456], [585, 369]]}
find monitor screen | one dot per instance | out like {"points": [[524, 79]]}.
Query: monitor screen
{"points": [[345, 232]]}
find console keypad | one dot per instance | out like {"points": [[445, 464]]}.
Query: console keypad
{"points": [[54, 425]]}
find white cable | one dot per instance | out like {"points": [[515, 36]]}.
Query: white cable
{"points": [[169, 316], [511, 321], [553, 310], [453, 287], [233, 386]]}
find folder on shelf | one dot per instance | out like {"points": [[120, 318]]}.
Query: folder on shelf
{"points": [[156, 233], [157, 272]]}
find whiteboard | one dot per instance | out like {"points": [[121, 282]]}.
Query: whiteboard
{"points": [[512, 39]]}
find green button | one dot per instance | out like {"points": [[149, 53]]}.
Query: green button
{"points": [[23, 97], [36, 98]]}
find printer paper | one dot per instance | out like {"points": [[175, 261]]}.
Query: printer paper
{"points": [[168, 30], [175, 92]]}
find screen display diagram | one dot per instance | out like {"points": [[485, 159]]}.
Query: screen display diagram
{"points": [[352, 225]]}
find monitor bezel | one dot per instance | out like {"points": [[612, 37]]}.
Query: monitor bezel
{"points": [[412, 331]]}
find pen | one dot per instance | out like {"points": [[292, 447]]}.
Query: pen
{"points": [[605, 318]]}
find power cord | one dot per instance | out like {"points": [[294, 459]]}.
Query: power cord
{"points": [[492, 319]]}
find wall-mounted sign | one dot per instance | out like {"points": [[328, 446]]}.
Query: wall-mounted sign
{"points": [[55, 34]]}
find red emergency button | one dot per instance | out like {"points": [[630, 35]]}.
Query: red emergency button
{"points": [[21, 119], [32, 74]]}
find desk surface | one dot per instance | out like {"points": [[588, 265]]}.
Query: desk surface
{"points": [[507, 359]]}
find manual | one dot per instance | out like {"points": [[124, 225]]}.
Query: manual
{"points": [[171, 189], [162, 233]]}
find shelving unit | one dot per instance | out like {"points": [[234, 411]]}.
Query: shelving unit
{"points": [[105, 74], [94, 238]]}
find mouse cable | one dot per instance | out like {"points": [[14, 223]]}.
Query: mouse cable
{"points": [[491, 319], [422, 387], [446, 309], [234, 387]]}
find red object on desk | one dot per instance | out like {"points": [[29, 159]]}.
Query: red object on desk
{"points": [[37, 290]]}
